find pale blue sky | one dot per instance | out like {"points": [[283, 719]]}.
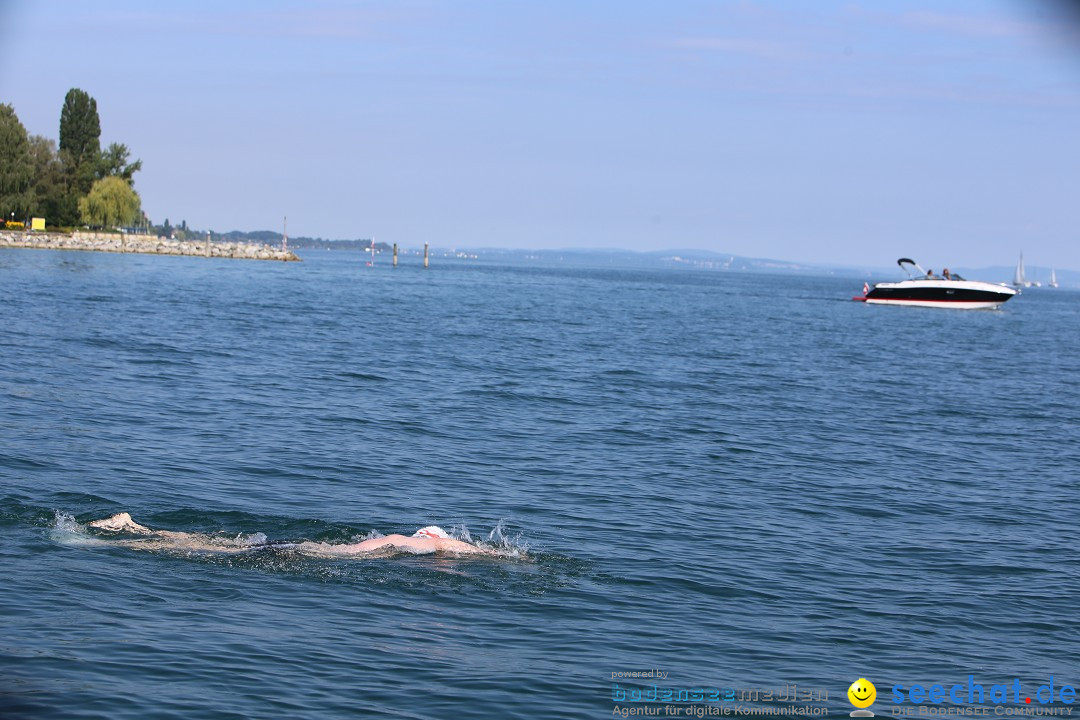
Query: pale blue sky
{"points": [[841, 132]]}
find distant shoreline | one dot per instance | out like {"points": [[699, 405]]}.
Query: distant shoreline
{"points": [[144, 245]]}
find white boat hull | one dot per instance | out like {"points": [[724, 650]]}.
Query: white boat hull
{"points": [[954, 305]]}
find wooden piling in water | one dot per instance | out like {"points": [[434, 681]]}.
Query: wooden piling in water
{"points": [[425, 254]]}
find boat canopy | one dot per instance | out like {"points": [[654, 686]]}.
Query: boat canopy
{"points": [[908, 261]]}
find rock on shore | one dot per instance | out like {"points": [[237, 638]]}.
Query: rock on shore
{"points": [[113, 242]]}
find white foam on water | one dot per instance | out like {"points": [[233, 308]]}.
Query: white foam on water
{"points": [[66, 530], [257, 538], [503, 544]]}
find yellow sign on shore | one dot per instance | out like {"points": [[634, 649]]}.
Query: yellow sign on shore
{"points": [[37, 224]]}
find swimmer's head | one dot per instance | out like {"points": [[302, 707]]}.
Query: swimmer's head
{"points": [[431, 531]]}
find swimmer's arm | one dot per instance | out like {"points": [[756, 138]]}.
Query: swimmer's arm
{"points": [[371, 545], [122, 522], [161, 539], [461, 548], [423, 545], [420, 545], [381, 542]]}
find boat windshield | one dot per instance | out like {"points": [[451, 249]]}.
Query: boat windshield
{"points": [[908, 266]]}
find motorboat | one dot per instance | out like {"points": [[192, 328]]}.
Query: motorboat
{"points": [[925, 289]]}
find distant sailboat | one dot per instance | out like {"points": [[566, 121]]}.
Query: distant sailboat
{"points": [[1053, 279], [1019, 279]]}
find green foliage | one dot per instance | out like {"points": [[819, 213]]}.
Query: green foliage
{"points": [[114, 163], [80, 127], [16, 168], [49, 186], [111, 203], [42, 179], [80, 150]]}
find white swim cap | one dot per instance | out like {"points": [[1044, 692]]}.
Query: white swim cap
{"points": [[431, 531]]}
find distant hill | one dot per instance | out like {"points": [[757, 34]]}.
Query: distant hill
{"points": [[688, 259], [703, 260], [301, 243]]}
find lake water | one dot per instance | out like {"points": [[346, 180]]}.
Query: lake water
{"points": [[743, 481]]}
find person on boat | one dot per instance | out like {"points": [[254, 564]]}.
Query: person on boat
{"points": [[931, 276], [430, 539], [945, 274]]}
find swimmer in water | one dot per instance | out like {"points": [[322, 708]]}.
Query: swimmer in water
{"points": [[431, 539]]}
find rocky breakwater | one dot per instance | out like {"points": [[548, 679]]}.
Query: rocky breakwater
{"points": [[118, 243]]}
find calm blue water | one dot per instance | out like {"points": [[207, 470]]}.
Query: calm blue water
{"points": [[741, 480]]}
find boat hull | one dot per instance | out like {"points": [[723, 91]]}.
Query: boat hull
{"points": [[955, 305], [954, 294]]}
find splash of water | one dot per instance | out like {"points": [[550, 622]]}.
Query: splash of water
{"points": [[498, 540], [66, 522], [460, 532], [249, 539], [504, 544], [66, 530]]}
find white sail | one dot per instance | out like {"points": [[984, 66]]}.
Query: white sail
{"points": [[1053, 279], [1018, 278]]}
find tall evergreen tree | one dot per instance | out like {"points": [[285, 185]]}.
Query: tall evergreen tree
{"points": [[80, 150], [16, 168], [80, 126]]}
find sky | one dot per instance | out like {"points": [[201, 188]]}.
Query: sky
{"points": [[844, 132]]}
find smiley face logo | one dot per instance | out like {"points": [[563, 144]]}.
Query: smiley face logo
{"points": [[862, 693]]}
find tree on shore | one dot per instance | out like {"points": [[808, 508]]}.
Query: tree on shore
{"points": [[42, 179], [16, 168], [80, 127], [49, 187], [110, 203], [114, 163], [80, 150]]}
